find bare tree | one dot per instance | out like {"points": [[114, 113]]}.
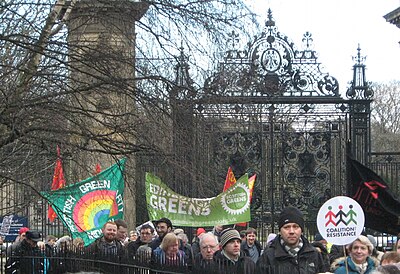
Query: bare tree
{"points": [[43, 103], [385, 122]]}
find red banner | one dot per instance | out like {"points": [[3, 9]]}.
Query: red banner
{"points": [[58, 182]]}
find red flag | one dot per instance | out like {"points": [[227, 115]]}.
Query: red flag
{"points": [[252, 180], [230, 179], [97, 169], [58, 182]]}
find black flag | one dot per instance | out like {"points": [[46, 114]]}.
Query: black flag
{"points": [[381, 207]]}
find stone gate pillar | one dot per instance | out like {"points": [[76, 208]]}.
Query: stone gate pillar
{"points": [[101, 43]]}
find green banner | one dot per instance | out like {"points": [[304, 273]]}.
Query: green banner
{"points": [[230, 207], [86, 206]]}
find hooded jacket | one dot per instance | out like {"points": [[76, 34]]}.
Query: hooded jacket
{"points": [[339, 266], [276, 260]]}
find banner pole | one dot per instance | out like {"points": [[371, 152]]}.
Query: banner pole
{"points": [[345, 259]]}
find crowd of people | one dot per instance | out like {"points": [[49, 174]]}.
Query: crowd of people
{"points": [[158, 246]]}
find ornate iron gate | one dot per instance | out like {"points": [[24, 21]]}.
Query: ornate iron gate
{"points": [[269, 110]]}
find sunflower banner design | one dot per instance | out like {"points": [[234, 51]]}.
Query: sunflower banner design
{"points": [[86, 206], [229, 207]]}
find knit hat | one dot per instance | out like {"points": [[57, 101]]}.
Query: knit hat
{"points": [[228, 235], [200, 231], [291, 215], [23, 230], [372, 240], [318, 237]]}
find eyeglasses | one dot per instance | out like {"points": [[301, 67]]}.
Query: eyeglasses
{"points": [[208, 247]]}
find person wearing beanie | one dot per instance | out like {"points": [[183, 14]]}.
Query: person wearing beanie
{"points": [[229, 258], [196, 241], [375, 253], [290, 251]]}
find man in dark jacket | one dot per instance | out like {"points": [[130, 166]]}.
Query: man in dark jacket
{"points": [[145, 237], [251, 247], [204, 260], [290, 252], [163, 226], [229, 259], [107, 249], [27, 257]]}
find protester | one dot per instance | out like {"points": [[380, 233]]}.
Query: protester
{"points": [[3, 248], [204, 260], [27, 257], [107, 248], [375, 252], [230, 259], [290, 251], [145, 238], [359, 259], [217, 229], [78, 245], [243, 235], [168, 253], [21, 236], [185, 247], [251, 247], [163, 226], [391, 257], [122, 230], [320, 245], [196, 241], [337, 251], [133, 235], [50, 241], [387, 269]]}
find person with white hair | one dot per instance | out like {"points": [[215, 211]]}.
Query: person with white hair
{"points": [[359, 260]]}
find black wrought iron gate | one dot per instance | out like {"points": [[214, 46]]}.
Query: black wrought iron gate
{"points": [[269, 110]]}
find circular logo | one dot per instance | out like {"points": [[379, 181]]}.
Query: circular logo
{"points": [[340, 220], [236, 200]]}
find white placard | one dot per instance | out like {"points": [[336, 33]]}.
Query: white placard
{"points": [[340, 220]]}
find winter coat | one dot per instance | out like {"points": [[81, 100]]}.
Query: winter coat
{"points": [[160, 261], [244, 265], [132, 248], [106, 255], [324, 253], [26, 259], [339, 266], [275, 260], [245, 248], [201, 266]]}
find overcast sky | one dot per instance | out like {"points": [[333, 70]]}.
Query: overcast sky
{"points": [[337, 27]]}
